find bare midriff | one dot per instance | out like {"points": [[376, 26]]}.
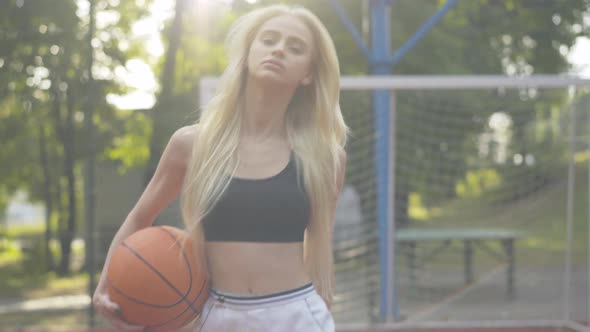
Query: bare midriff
{"points": [[256, 268]]}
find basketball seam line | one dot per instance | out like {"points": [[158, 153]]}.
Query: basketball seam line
{"points": [[183, 297], [188, 264], [184, 311]]}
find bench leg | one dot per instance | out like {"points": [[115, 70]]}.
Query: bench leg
{"points": [[411, 257], [509, 250], [468, 261]]}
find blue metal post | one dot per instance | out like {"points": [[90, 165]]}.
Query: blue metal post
{"points": [[381, 45], [421, 33], [351, 28], [381, 62]]}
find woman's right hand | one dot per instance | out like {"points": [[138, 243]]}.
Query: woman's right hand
{"points": [[110, 310]]}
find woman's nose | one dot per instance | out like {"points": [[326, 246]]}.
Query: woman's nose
{"points": [[279, 50]]}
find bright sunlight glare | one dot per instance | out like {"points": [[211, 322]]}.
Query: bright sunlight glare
{"points": [[137, 73], [579, 56]]}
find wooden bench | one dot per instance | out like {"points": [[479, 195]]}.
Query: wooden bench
{"points": [[470, 237]]}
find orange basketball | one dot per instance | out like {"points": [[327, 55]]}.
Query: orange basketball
{"points": [[153, 277]]}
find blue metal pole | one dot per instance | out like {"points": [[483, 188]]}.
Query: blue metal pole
{"points": [[351, 28], [381, 63], [381, 44], [421, 33]]}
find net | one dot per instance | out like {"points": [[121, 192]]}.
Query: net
{"points": [[490, 196]]}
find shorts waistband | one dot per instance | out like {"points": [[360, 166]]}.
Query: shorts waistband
{"points": [[274, 298]]}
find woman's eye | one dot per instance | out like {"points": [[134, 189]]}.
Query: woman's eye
{"points": [[296, 50], [267, 41]]}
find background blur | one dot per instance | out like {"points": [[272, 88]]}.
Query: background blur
{"points": [[495, 159]]}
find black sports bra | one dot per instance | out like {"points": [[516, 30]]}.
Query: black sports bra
{"points": [[274, 209]]}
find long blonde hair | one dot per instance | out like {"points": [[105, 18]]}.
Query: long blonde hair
{"points": [[315, 128]]}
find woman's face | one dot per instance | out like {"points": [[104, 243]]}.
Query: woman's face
{"points": [[282, 52]]}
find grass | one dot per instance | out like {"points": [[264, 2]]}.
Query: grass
{"points": [[17, 283], [23, 274], [44, 318], [58, 319], [18, 230], [542, 216]]}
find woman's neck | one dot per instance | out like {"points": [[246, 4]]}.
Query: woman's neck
{"points": [[265, 110]]}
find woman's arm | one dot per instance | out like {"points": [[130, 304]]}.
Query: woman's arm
{"points": [[163, 188]]}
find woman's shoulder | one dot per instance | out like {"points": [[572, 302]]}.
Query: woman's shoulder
{"points": [[182, 141], [185, 136]]}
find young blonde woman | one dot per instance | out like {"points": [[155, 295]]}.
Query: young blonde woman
{"points": [[259, 177]]}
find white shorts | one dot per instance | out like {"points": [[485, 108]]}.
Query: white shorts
{"points": [[300, 309]]}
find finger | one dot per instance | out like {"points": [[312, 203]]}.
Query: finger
{"points": [[119, 322], [112, 311], [115, 319], [99, 306], [124, 326], [107, 313], [110, 305]]}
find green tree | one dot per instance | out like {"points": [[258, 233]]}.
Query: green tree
{"points": [[44, 86], [193, 50]]}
